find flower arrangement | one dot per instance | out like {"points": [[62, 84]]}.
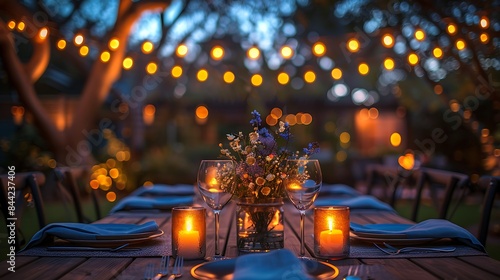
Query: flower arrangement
{"points": [[260, 159]]}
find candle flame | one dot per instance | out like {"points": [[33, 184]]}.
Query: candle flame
{"points": [[189, 224], [330, 223], [213, 182], [294, 186]]}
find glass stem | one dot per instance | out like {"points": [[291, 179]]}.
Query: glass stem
{"points": [[302, 217], [216, 213]]}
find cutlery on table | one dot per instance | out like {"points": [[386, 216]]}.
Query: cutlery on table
{"points": [[163, 271], [79, 248], [391, 250], [177, 269], [149, 273]]}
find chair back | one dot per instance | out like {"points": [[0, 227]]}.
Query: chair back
{"points": [[18, 190], [386, 177], [434, 180], [490, 185], [70, 179]]}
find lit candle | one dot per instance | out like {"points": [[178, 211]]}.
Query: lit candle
{"points": [[189, 242], [331, 232], [331, 241], [188, 232]]}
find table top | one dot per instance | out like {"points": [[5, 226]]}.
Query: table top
{"points": [[428, 266]]}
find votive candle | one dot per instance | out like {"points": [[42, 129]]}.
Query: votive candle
{"points": [[331, 232], [188, 232]]}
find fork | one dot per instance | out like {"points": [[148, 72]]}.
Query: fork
{"points": [[177, 269], [391, 250], [163, 271], [149, 273]]}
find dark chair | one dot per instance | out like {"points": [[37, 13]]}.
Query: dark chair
{"points": [[439, 180], [490, 185], [75, 180], [385, 177], [19, 190]]}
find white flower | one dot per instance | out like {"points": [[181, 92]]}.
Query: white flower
{"points": [[270, 177]]}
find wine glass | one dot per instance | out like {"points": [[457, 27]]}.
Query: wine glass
{"points": [[215, 181], [302, 185]]}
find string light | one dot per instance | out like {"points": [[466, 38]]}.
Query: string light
{"points": [[484, 38], [202, 75], [78, 40], [105, 56], [460, 44], [21, 25], [228, 77], [11, 25], [147, 47], [451, 28], [253, 53], [128, 62], [283, 78], [182, 50], [319, 49], [61, 44], [437, 52], [217, 53], [44, 32], [256, 80], [484, 22], [413, 59], [286, 52], [419, 35], [336, 73], [176, 71], [84, 50], [114, 44], [151, 68], [309, 77], [388, 41], [363, 69], [389, 64], [353, 45]]}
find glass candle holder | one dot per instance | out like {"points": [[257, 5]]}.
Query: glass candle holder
{"points": [[331, 232], [188, 232]]}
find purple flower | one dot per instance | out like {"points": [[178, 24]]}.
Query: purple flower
{"points": [[312, 148], [256, 121]]}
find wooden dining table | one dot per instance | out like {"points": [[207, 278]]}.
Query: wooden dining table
{"points": [[369, 264]]}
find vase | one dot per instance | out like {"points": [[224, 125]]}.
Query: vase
{"points": [[259, 225]]}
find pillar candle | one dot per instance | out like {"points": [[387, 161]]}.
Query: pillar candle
{"points": [[331, 242], [189, 243]]}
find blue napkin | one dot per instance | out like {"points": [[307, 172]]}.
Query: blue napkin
{"points": [[164, 190], [278, 264], [338, 189], [80, 231], [146, 203], [359, 202], [432, 228]]}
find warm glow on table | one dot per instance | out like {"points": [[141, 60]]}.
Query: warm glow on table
{"points": [[331, 231]]}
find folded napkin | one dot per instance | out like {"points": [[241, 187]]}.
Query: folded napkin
{"points": [[164, 190], [279, 264], [359, 202], [141, 203], [80, 231], [432, 228], [338, 189]]}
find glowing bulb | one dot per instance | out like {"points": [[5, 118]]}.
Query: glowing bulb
{"points": [[388, 40], [460, 44], [182, 50], [283, 78], [353, 45], [253, 53], [389, 63], [61, 44], [363, 69], [286, 52], [336, 73], [452, 29], [228, 77], [78, 40], [437, 52], [128, 62], [319, 49], [419, 35], [114, 44], [217, 53], [147, 47], [413, 59]]}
